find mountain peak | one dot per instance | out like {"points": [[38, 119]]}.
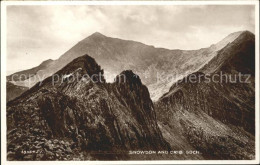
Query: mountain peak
{"points": [[85, 63], [230, 38], [247, 33], [97, 34], [239, 33], [128, 76], [46, 62]]}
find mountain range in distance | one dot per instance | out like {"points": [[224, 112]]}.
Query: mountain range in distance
{"points": [[82, 120], [153, 65]]}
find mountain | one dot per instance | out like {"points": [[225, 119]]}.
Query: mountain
{"points": [[76, 115], [201, 105], [12, 91], [26, 74], [211, 112], [158, 68]]}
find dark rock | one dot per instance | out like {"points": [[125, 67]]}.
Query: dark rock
{"points": [[203, 109], [105, 120]]}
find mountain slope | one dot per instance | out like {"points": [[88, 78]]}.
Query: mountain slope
{"points": [[26, 74], [214, 116], [83, 118], [153, 65], [12, 91]]}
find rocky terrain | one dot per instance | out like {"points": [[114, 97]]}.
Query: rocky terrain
{"points": [[84, 119], [153, 65], [215, 118], [77, 114]]}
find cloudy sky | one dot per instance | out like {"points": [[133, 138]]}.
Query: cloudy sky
{"points": [[37, 33]]}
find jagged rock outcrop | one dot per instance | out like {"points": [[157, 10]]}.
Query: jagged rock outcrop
{"points": [[216, 114], [76, 115]]}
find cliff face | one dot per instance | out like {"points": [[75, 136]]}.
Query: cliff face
{"points": [[213, 107], [84, 118]]}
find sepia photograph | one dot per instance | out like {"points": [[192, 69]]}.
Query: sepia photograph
{"points": [[130, 82]]}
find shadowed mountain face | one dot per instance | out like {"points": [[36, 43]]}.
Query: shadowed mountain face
{"points": [[216, 118], [12, 91], [153, 65], [84, 118]]}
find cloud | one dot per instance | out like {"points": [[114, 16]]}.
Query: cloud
{"points": [[37, 33]]}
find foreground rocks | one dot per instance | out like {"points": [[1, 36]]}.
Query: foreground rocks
{"points": [[82, 120]]}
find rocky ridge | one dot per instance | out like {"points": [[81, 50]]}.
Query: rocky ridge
{"points": [[217, 118], [82, 120]]}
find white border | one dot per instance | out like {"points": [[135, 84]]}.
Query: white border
{"points": [[3, 79]]}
